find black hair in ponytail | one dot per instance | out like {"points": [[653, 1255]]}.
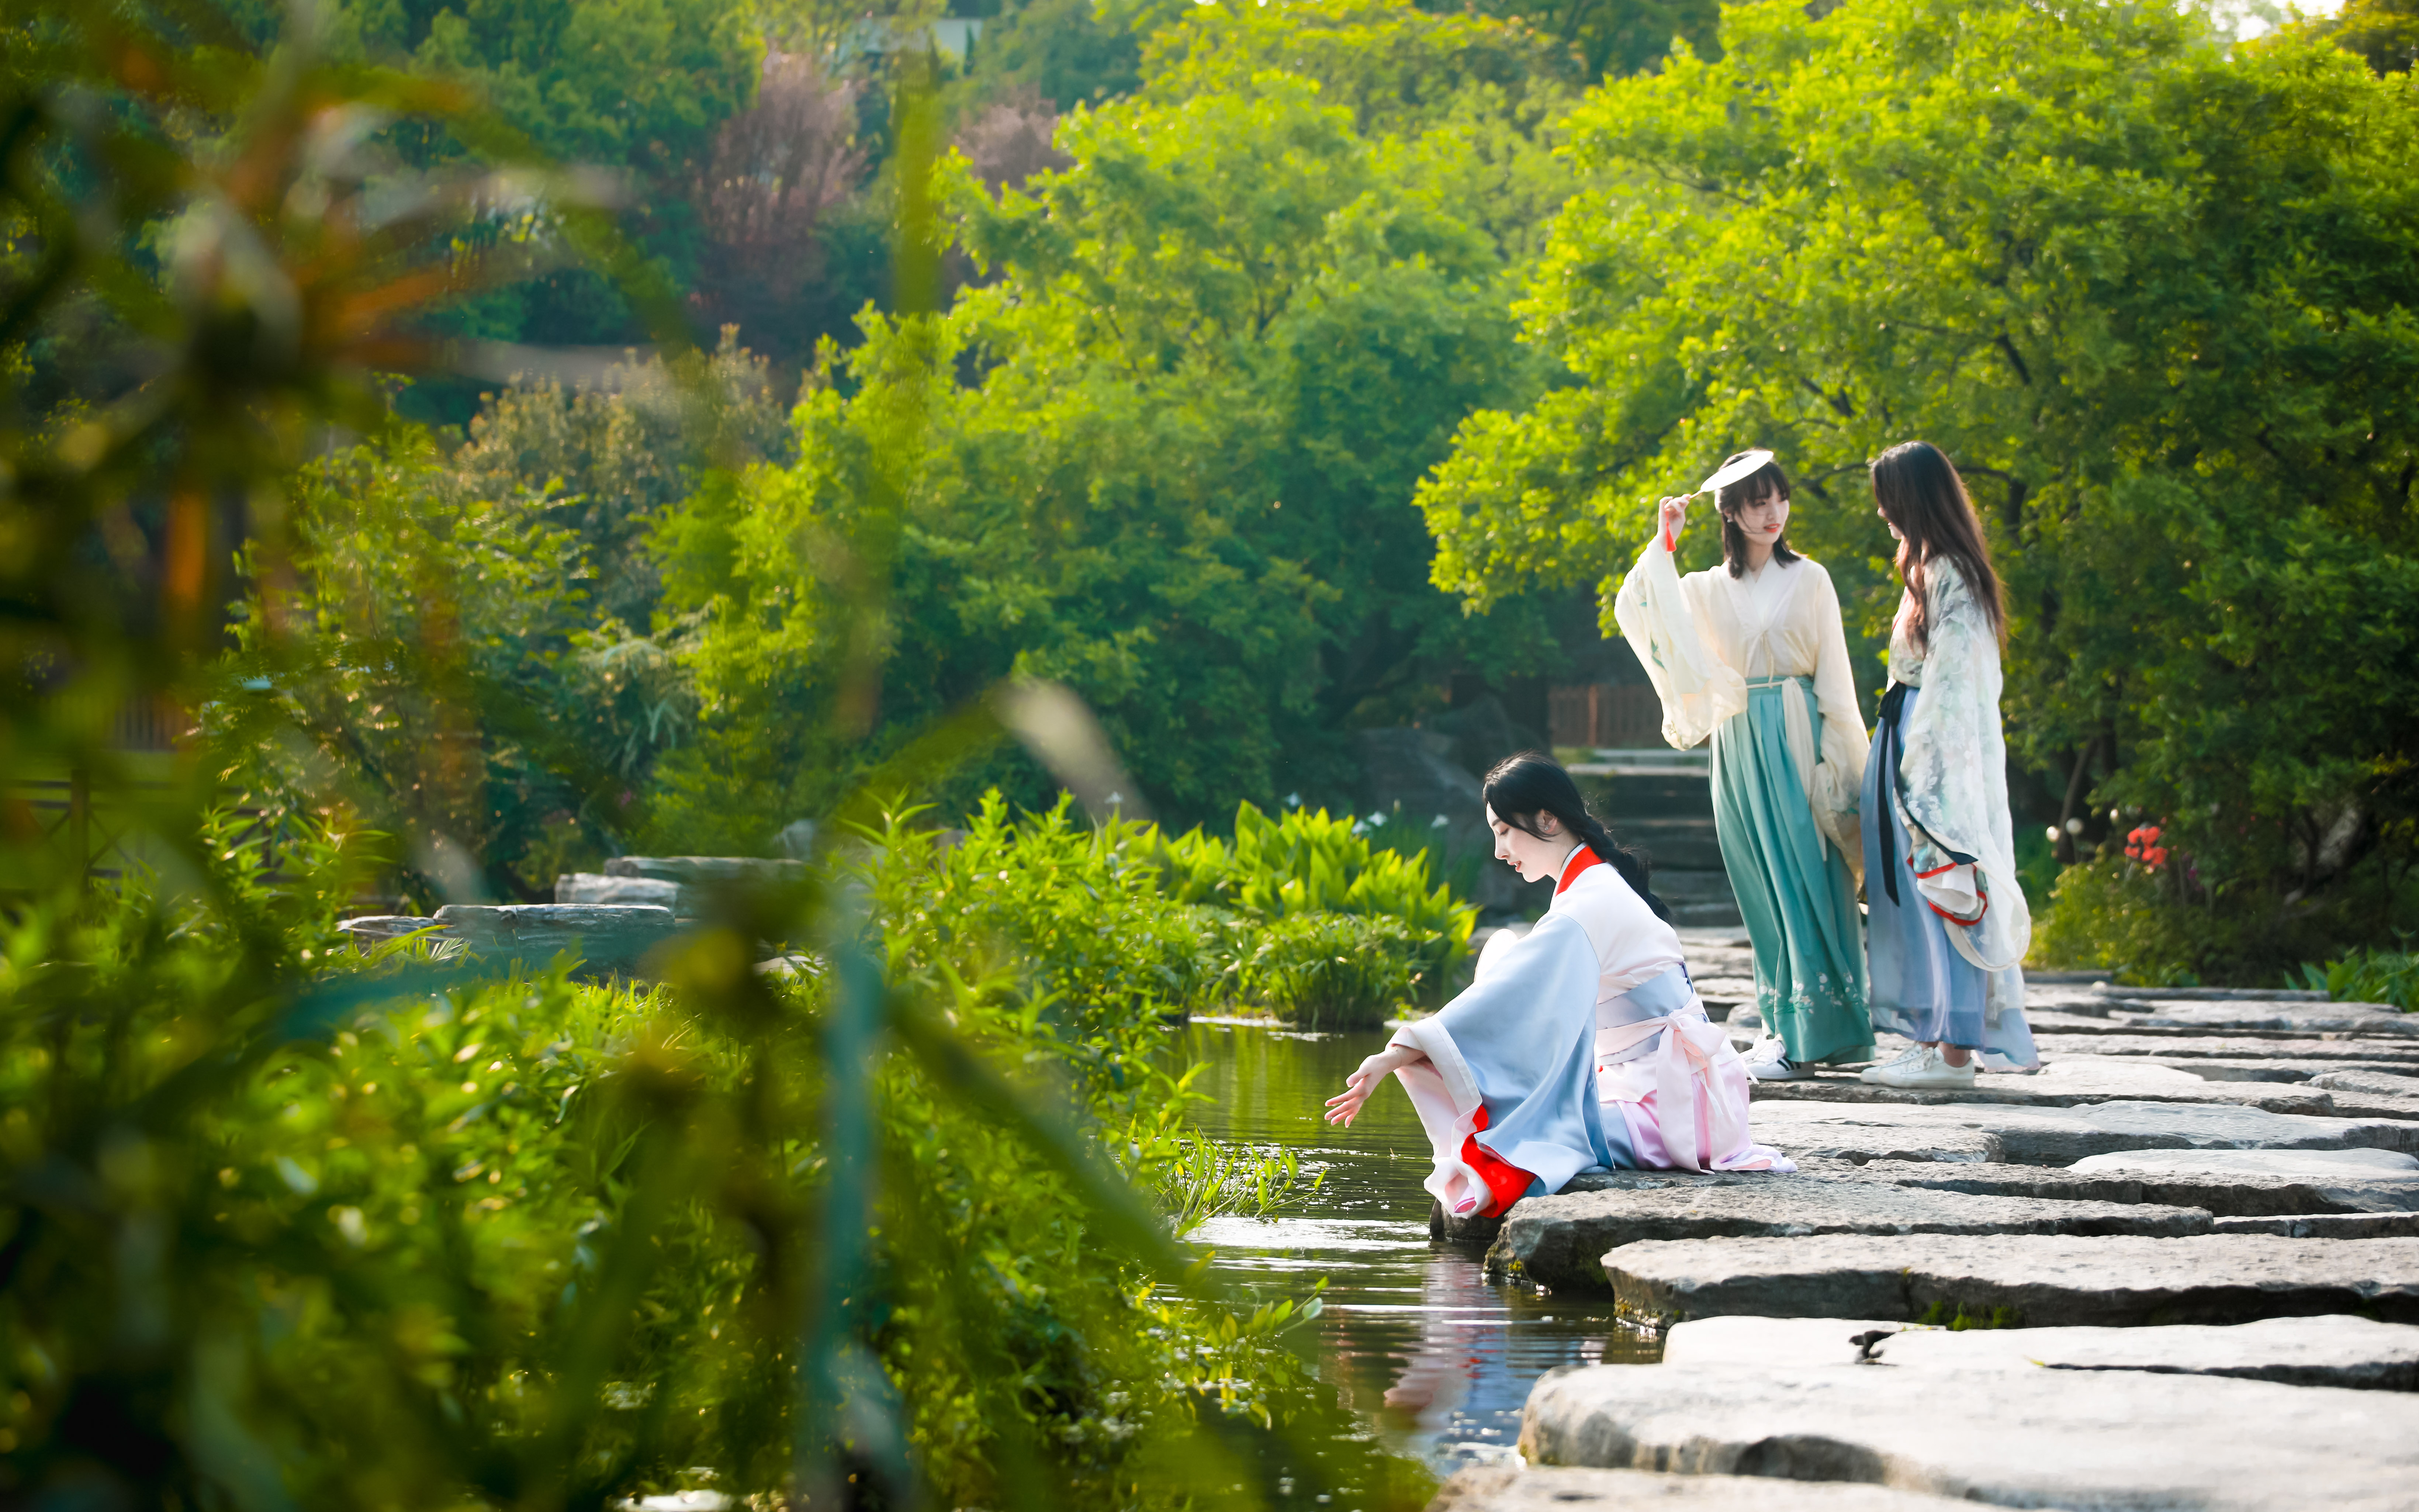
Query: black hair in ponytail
{"points": [[1524, 786]]}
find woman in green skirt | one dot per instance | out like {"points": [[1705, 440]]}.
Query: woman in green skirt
{"points": [[1752, 655]]}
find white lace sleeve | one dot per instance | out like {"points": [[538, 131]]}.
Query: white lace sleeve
{"points": [[1953, 784], [1658, 616]]}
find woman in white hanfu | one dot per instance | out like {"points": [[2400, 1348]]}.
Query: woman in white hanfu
{"points": [[1581, 1044], [1752, 655], [1947, 925]]}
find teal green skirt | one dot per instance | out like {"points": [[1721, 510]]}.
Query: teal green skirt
{"points": [[1793, 888]]}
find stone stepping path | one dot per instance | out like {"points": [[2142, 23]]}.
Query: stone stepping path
{"points": [[2358, 1354], [2230, 1183], [2288, 1054], [2073, 1080], [2027, 1280], [1546, 1489], [1869, 1130], [2196, 1230], [2096, 1439], [1561, 1242]]}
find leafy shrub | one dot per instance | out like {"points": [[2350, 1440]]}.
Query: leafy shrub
{"points": [[2157, 923], [2370, 976], [1334, 970], [1304, 862], [397, 1234]]}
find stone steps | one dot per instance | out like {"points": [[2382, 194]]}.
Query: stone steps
{"points": [[2357, 1353], [2182, 1261], [2029, 1280], [1566, 1243], [2029, 1438]]}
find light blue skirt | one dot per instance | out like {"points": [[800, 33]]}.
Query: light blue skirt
{"points": [[1920, 987], [1793, 888]]}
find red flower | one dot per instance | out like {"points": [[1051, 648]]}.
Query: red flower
{"points": [[2143, 846]]}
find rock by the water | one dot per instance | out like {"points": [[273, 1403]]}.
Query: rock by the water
{"points": [[2060, 1135], [2096, 1439], [2337, 1349], [1559, 1241], [707, 871], [2029, 1280], [2250, 1192], [1556, 1489], [600, 888], [369, 930], [606, 938]]}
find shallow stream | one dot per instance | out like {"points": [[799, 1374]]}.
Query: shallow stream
{"points": [[1419, 1343]]}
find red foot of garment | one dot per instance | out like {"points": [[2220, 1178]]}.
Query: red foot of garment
{"points": [[1508, 1182]]}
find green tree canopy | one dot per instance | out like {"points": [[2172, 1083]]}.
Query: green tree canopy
{"points": [[2155, 297], [1216, 355]]}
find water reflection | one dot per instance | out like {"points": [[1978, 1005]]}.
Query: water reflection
{"points": [[1438, 1360]]}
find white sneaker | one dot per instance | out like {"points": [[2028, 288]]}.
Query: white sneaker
{"points": [[1927, 1070], [1904, 1059], [1771, 1063]]}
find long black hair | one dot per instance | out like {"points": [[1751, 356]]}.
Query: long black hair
{"points": [[1524, 786], [1766, 482], [1924, 499]]}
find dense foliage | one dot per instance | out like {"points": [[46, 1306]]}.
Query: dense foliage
{"points": [[435, 1234], [2154, 295], [279, 1225], [1218, 351]]}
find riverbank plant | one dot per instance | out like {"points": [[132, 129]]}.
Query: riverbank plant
{"points": [[1342, 929], [415, 1233], [2368, 977]]}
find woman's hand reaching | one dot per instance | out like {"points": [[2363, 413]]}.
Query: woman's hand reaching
{"points": [[1346, 1105], [1675, 512]]}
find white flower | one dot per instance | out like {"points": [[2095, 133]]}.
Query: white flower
{"points": [[1439, 822], [1293, 800]]}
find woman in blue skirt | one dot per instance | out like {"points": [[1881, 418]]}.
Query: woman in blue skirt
{"points": [[1946, 924]]}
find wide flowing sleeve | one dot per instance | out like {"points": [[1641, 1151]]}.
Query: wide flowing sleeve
{"points": [[1519, 1044], [1664, 623], [1953, 788], [1840, 764]]}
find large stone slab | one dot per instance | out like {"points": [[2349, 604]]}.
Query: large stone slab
{"points": [[2080, 1439], [2226, 1193], [2319, 1163], [604, 938], [599, 887], [2297, 1018], [1559, 1242], [707, 870], [2029, 1280], [2329, 1225], [2183, 1046], [2397, 1082], [2070, 1081], [2060, 1135], [1555, 1489], [2339, 1349]]}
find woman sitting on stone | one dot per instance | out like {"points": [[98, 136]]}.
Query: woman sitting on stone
{"points": [[1581, 1045]]}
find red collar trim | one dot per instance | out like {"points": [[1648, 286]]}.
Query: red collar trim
{"points": [[1577, 862]]}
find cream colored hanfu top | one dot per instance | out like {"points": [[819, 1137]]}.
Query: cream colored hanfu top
{"points": [[1707, 638]]}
